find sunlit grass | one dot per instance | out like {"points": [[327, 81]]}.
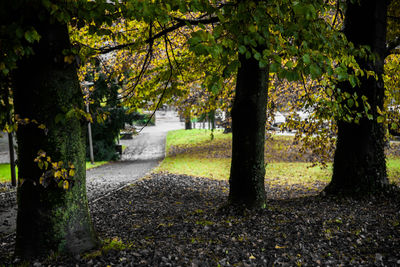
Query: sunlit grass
{"points": [[217, 168], [393, 169], [5, 170], [196, 166], [89, 165], [193, 137], [196, 159]]}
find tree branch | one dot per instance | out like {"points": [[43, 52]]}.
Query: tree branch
{"points": [[180, 23]]}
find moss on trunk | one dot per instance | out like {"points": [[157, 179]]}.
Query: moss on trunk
{"points": [[50, 219]]}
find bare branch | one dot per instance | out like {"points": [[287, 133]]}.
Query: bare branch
{"points": [[165, 86], [145, 65], [180, 23]]}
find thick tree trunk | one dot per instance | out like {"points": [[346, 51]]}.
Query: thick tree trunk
{"points": [[359, 163], [50, 219], [246, 179]]}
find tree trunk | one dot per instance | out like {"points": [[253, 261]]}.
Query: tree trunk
{"points": [[359, 164], [246, 179], [188, 123], [50, 219]]}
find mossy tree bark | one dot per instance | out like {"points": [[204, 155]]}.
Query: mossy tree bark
{"points": [[246, 181], [359, 163], [50, 219]]}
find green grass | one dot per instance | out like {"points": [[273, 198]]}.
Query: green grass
{"points": [[192, 152], [5, 170], [393, 169], [217, 168], [196, 166], [96, 164], [193, 137]]}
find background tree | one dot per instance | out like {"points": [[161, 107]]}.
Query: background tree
{"points": [[293, 38]]}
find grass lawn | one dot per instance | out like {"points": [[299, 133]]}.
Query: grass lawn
{"points": [[192, 152], [5, 170]]}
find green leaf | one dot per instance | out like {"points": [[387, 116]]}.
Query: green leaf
{"points": [[242, 49], [19, 32], [353, 80], [342, 76], [306, 59], [350, 102], [59, 118], [257, 56], [274, 67], [252, 28], [262, 63], [32, 36], [380, 119], [232, 67], [289, 64], [315, 71]]}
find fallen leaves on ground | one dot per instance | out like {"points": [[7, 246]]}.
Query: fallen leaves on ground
{"points": [[176, 220]]}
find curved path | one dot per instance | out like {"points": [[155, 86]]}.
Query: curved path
{"points": [[142, 154]]}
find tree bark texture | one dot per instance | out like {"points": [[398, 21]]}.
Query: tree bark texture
{"points": [[359, 163], [246, 179], [50, 219]]}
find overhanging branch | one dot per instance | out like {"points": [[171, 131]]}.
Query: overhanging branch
{"points": [[180, 23]]}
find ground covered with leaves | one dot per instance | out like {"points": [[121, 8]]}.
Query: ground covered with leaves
{"points": [[177, 220]]}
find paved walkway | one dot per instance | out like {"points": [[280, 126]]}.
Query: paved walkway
{"points": [[142, 154]]}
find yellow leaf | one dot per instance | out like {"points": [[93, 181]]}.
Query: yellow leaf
{"points": [[252, 257], [42, 126], [69, 59], [71, 172], [278, 247], [57, 174], [65, 185]]}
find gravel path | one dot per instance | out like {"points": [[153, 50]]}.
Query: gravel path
{"points": [[142, 154]]}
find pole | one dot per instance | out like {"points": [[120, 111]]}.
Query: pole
{"points": [[86, 89], [12, 159], [90, 137]]}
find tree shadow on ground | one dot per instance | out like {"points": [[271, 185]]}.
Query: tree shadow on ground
{"points": [[175, 220]]}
